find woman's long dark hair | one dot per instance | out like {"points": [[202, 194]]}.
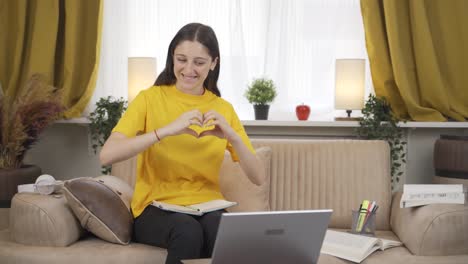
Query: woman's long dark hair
{"points": [[193, 32]]}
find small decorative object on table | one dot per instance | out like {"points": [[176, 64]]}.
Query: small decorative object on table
{"points": [[302, 112], [260, 93], [364, 219], [349, 86]]}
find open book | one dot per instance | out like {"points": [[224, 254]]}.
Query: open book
{"points": [[353, 247], [195, 209], [424, 194]]}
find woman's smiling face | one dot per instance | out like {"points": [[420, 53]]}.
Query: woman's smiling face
{"points": [[192, 63]]}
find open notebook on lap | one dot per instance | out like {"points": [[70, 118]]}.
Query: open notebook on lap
{"points": [[271, 237]]}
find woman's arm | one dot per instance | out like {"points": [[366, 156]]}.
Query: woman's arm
{"points": [[119, 147], [249, 162]]}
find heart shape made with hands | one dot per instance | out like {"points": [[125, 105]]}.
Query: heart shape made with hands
{"points": [[199, 130]]}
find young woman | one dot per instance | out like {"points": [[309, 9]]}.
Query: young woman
{"points": [[180, 128]]}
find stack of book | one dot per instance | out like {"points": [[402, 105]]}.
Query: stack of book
{"points": [[424, 194]]}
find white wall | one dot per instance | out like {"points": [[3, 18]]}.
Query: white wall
{"points": [[64, 152]]}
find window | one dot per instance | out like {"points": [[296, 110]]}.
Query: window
{"points": [[295, 43]]}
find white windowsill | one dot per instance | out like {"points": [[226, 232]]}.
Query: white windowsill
{"points": [[310, 123], [333, 123]]}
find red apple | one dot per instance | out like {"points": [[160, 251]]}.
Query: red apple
{"points": [[302, 112]]}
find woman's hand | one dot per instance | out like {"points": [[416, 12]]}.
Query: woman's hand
{"points": [[222, 128], [181, 124]]}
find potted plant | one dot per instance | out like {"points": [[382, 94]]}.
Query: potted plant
{"points": [[22, 119], [379, 122], [103, 119], [260, 93]]}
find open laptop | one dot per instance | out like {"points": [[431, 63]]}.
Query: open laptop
{"points": [[271, 237]]}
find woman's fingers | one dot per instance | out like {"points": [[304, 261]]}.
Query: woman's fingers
{"points": [[193, 117], [210, 117], [195, 121]]}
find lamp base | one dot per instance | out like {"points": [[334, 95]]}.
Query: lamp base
{"points": [[348, 119]]}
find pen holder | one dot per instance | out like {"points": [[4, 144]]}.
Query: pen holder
{"points": [[363, 224]]}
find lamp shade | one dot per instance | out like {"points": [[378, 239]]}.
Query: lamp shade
{"points": [[349, 84], [141, 75]]}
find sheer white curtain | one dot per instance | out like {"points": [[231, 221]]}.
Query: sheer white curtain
{"points": [[295, 43], [112, 75], [305, 37], [239, 26]]}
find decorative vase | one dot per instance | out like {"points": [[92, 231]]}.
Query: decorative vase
{"points": [[11, 178], [261, 112]]}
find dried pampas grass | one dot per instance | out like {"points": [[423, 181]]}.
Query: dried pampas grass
{"points": [[23, 118]]}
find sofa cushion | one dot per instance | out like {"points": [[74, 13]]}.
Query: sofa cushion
{"points": [[4, 218], [431, 230], [102, 205], [43, 220], [236, 186], [87, 250], [337, 174]]}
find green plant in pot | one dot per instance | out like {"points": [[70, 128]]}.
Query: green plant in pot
{"points": [[380, 123], [260, 93], [103, 119], [22, 119]]}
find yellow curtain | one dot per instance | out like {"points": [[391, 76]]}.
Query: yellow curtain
{"points": [[57, 38], [418, 56]]}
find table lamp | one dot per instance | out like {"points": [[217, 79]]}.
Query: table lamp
{"points": [[141, 75], [349, 86]]}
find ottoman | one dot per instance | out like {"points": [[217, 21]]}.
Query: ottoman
{"points": [[43, 220]]}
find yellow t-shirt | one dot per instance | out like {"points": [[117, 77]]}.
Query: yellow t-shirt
{"points": [[180, 169]]}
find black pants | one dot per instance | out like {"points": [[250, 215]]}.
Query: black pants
{"points": [[184, 236]]}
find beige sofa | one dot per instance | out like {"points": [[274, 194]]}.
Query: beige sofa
{"points": [[304, 174]]}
